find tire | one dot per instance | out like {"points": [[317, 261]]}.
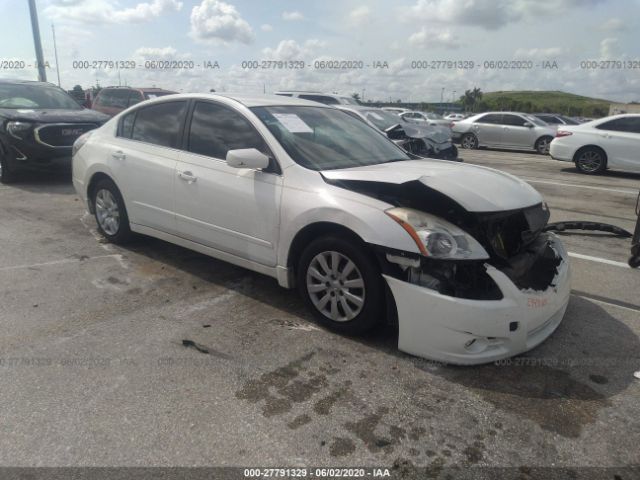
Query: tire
{"points": [[634, 262], [110, 212], [469, 141], [7, 173], [542, 145], [590, 160], [344, 308]]}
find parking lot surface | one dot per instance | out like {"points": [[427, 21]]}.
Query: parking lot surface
{"points": [[155, 355]]}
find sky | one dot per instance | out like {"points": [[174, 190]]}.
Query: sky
{"points": [[392, 34]]}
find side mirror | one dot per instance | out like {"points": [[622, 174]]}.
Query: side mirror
{"points": [[247, 158], [527, 124]]}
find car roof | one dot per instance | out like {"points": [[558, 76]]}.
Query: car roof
{"points": [[247, 100]]}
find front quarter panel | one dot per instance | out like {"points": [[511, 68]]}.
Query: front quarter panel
{"points": [[308, 199]]}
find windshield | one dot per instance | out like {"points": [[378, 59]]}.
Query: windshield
{"points": [[325, 138], [36, 97], [382, 118]]}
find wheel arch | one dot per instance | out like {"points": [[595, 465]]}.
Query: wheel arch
{"points": [[91, 185]]}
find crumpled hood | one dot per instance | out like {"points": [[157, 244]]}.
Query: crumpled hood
{"points": [[475, 188], [54, 115]]}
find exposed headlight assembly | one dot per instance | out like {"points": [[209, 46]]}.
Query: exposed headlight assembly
{"points": [[19, 130], [437, 238]]}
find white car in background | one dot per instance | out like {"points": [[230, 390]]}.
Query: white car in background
{"points": [[428, 118], [610, 142], [455, 116], [396, 110], [322, 201]]}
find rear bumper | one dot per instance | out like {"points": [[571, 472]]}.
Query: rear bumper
{"points": [[467, 332], [561, 152]]}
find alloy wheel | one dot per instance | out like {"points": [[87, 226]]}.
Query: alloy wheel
{"points": [[543, 146], [107, 212], [469, 141], [590, 161], [335, 286]]}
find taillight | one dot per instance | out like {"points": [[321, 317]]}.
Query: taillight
{"points": [[452, 124], [563, 133]]}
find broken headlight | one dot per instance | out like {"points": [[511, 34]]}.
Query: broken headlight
{"points": [[437, 238], [19, 130]]}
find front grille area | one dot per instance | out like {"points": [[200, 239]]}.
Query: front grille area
{"points": [[62, 135]]}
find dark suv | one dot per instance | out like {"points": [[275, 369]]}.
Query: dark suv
{"points": [[113, 100], [38, 124]]}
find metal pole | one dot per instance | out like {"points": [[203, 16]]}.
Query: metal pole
{"points": [[42, 74], [55, 51]]}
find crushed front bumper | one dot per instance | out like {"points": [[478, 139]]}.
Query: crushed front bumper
{"points": [[462, 331]]}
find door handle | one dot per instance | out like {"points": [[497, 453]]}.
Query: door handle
{"points": [[187, 177], [119, 155]]}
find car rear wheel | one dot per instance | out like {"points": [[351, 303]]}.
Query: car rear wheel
{"points": [[7, 174], [341, 284], [469, 141], [543, 144], [591, 160], [110, 212]]}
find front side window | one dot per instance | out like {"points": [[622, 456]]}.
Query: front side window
{"points": [[513, 120], [325, 138], [216, 129], [160, 124]]}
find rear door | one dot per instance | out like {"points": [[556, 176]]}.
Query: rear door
{"points": [[620, 139], [514, 132], [488, 129], [143, 161], [233, 210]]}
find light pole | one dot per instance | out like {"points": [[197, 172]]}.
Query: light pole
{"points": [[42, 74]]}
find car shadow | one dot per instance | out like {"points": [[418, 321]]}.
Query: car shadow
{"points": [[606, 173], [562, 384], [55, 181]]}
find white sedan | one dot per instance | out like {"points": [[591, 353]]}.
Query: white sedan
{"points": [[610, 142], [321, 201]]}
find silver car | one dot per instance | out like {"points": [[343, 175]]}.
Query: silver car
{"points": [[429, 118], [505, 130]]}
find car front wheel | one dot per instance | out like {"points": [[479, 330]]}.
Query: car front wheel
{"points": [[110, 212], [469, 141], [341, 284], [591, 160]]}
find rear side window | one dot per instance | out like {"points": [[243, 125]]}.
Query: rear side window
{"points": [[215, 130], [126, 125], [321, 98], [628, 124], [160, 124], [490, 118]]}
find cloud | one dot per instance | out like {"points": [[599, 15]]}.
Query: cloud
{"points": [[216, 21], [292, 16], [360, 16], [292, 50], [265, 27], [488, 14], [107, 11], [613, 25], [609, 49], [426, 38], [550, 53]]}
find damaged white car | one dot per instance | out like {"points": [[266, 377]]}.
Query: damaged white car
{"points": [[319, 200]]}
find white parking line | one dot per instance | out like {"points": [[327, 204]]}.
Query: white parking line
{"points": [[588, 187], [599, 260], [63, 261]]}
